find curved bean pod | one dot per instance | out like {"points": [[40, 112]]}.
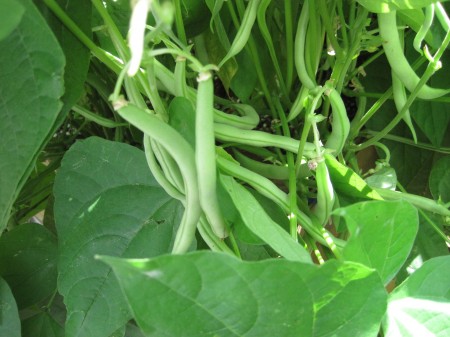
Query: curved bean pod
{"points": [[426, 25], [299, 47], [340, 125], [248, 121], [400, 99], [205, 154], [260, 139], [182, 152], [325, 194], [387, 23], [244, 31]]}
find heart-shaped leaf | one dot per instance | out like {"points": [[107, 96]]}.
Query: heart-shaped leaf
{"points": [[382, 234], [113, 207], [213, 294]]}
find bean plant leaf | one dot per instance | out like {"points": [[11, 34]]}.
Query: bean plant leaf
{"points": [[347, 182], [428, 244], [76, 54], [382, 234], [385, 6], [11, 12], [384, 178], [259, 222], [420, 306], [123, 213], [275, 297], [215, 53], [41, 325], [440, 180], [433, 119], [9, 315], [28, 256], [31, 84], [92, 166]]}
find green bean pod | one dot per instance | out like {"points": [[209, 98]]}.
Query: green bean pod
{"points": [[183, 154], [325, 194], [180, 76], [205, 154], [423, 31], [244, 31], [260, 139], [340, 124], [387, 23], [299, 47], [400, 99], [249, 119]]}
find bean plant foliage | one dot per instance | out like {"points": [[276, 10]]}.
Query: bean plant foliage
{"points": [[224, 168]]}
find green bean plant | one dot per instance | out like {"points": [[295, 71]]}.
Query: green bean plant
{"points": [[214, 168]]}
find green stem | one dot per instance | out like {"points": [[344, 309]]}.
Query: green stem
{"points": [[416, 200], [73, 27], [331, 33], [179, 22], [116, 36], [289, 44], [407, 141], [292, 176]]}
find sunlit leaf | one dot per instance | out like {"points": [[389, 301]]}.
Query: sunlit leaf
{"points": [[210, 294]]}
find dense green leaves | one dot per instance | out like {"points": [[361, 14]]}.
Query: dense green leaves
{"points": [[28, 263], [261, 279], [125, 216], [257, 220], [382, 234], [268, 298], [420, 306], [9, 316], [31, 84]]}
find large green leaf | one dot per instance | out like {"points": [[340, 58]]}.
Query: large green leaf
{"points": [[90, 167], [28, 263], [260, 223], [31, 84], [440, 180], [382, 234], [11, 13], [9, 315], [41, 325], [420, 306], [384, 6], [213, 294], [106, 203]]}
